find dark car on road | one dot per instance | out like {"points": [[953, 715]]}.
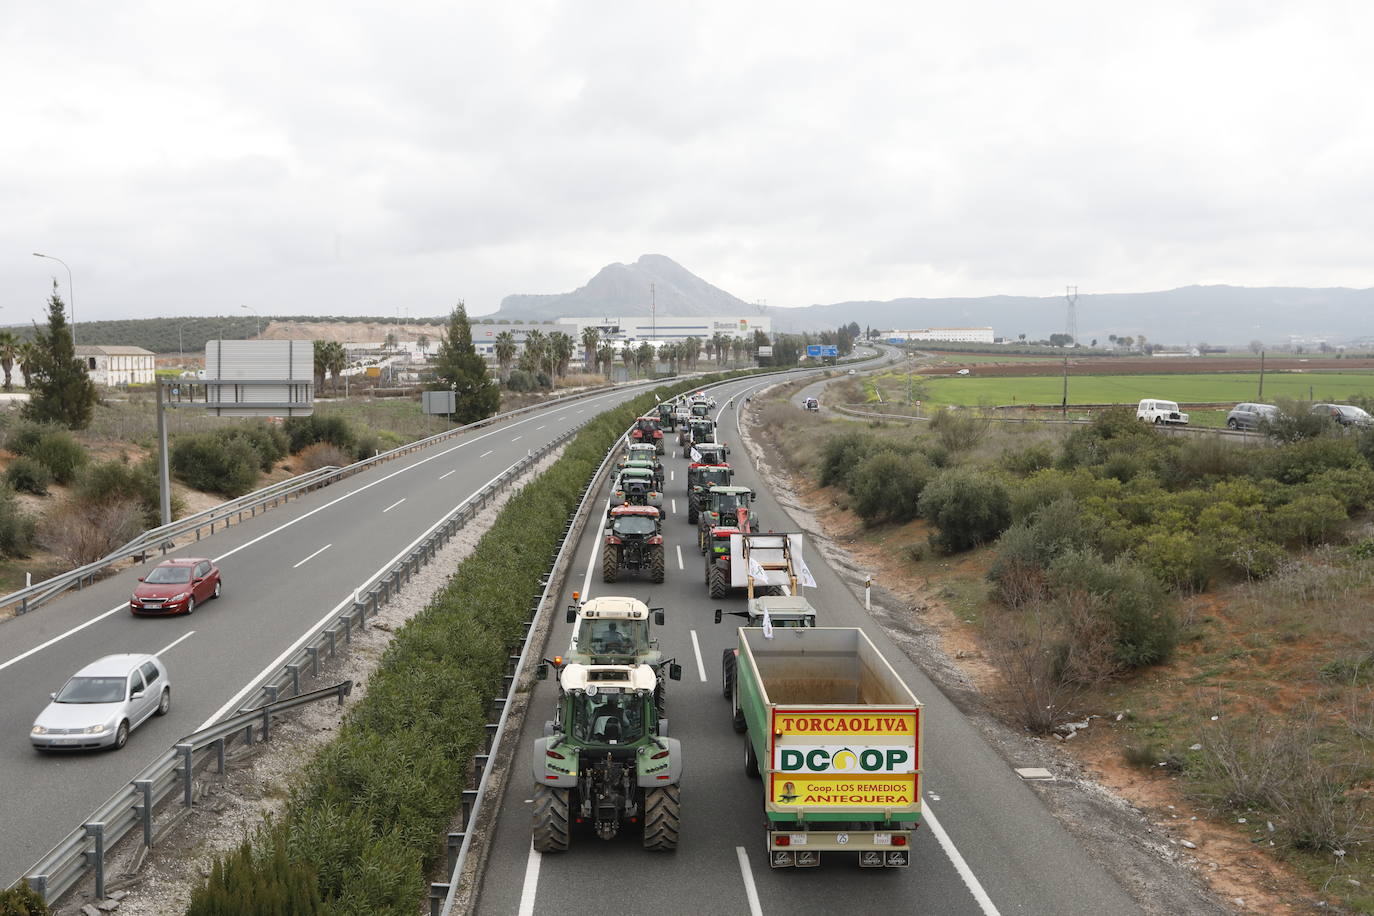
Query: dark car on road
{"points": [[1250, 416], [176, 587], [1345, 414]]}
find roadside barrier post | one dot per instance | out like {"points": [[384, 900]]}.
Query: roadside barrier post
{"points": [[868, 593]]}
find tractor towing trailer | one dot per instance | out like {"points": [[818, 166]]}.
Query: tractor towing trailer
{"points": [[836, 736]]}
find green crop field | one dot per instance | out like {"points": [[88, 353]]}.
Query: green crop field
{"points": [[990, 391]]}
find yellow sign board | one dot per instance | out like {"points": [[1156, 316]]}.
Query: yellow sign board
{"points": [[844, 724], [811, 791]]}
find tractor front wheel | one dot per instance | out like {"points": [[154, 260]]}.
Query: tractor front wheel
{"points": [[656, 563], [727, 673], [610, 563], [716, 584], [692, 512], [551, 823], [662, 818]]}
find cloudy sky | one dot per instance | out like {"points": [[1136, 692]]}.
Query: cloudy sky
{"points": [[334, 158]]}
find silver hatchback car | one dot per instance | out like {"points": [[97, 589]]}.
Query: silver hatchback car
{"points": [[102, 703], [1250, 416]]}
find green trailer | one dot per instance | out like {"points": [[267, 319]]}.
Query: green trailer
{"points": [[836, 736]]}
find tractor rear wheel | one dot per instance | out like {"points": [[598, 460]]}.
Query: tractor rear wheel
{"points": [[656, 563], [727, 673], [692, 512], [662, 818], [610, 563], [551, 824], [716, 584]]}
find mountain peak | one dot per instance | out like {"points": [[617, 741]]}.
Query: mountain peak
{"points": [[630, 289]]}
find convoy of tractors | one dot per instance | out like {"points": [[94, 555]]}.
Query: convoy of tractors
{"points": [[829, 727]]}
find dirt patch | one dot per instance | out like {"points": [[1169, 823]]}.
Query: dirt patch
{"points": [[259, 779]]}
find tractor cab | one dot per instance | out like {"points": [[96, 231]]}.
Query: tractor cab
{"points": [[725, 506], [647, 430], [634, 540], [697, 431], [700, 479], [712, 452], [667, 414], [614, 631], [637, 486], [700, 409]]}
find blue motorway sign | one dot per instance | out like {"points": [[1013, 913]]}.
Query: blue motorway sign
{"points": [[820, 351]]}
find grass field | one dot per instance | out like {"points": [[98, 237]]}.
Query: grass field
{"points": [[1128, 389]]}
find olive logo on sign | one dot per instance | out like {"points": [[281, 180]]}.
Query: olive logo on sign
{"points": [[844, 760]]}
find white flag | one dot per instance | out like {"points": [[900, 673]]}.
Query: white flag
{"points": [[758, 572], [804, 574], [767, 624], [696, 455]]}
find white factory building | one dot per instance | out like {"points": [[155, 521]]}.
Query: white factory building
{"points": [[671, 328], [948, 335]]}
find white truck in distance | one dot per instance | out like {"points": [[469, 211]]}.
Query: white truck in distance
{"points": [[1155, 411]]}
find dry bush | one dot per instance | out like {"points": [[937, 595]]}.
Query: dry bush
{"points": [[1049, 654], [959, 430], [321, 455], [82, 534], [1285, 767], [581, 380]]}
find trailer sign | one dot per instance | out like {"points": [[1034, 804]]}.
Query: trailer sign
{"points": [[796, 758], [825, 722], [897, 791]]}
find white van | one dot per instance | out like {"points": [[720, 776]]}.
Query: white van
{"points": [[1153, 411]]}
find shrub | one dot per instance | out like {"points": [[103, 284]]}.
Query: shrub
{"points": [[22, 437], [321, 455], [110, 481], [83, 534], [521, 380], [1203, 458], [1351, 487], [28, 476], [1112, 430], [16, 527], [887, 486], [1295, 422], [62, 455], [270, 442], [1307, 520], [258, 884], [841, 455], [1029, 547], [1295, 462], [967, 507], [1146, 630], [203, 461], [1179, 559], [303, 431], [22, 901], [958, 430]]}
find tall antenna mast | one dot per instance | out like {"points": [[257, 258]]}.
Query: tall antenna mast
{"points": [[653, 316], [1071, 320]]}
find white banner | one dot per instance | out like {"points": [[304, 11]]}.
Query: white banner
{"points": [[695, 455], [804, 576], [767, 624], [758, 572]]}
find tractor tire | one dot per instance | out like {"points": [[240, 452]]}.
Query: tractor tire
{"points": [[662, 818], [727, 673], [552, 828], [658, 447], [717, 586], [751, 759], [656, 563], [692, 512], [737, 721], [661, 702], [610, 563]]}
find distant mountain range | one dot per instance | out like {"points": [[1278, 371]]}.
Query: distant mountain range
{"points": [[1191, 314]]}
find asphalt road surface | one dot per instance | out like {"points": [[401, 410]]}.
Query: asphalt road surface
{"points": [[986, 844], [284, 572]]}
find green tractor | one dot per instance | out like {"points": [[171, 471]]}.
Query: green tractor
{"points": [[700, 479], [724, 506], [606, 759], [698, 430], [634, 540], [710, 452], [642, 456], [636, 486], [667, 415], [615, 630]]}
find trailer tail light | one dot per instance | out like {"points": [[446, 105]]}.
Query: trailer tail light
{"points": [[782, 840], [899, 840]]}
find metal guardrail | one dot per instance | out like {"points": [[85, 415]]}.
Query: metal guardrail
{"points": [[162, 538], [84, 848], [136, 804]]}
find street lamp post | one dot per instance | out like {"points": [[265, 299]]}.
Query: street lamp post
{"points": [[256, 316], [71, 291]]}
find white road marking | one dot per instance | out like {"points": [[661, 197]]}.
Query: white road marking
{"points": [[674, 506], [61, 636], [454, 471], [981, 896], [312, 556], [485, 454], [538, 428], [749, 890], [579, 410], [679, 556], [531, 885], [596, 551], [672, 475], [696, 647], [517, 438], [167, 648], [395, 504]]}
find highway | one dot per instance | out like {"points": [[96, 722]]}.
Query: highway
{"points": [[986, 845], [284, 571]]}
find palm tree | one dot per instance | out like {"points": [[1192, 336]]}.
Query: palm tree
{"points": [[532, 356], [710, 347], [693, 351], [27, 357], [505, 352], [722, 347], [422, 343], [605, 358], [627, 356], [737, 349], [591, 342], [9, 352], [390, 342], [336, 360], [561, 348], [644, 356]]}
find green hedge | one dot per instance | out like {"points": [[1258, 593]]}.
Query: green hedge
{"points": [[369, 816]]}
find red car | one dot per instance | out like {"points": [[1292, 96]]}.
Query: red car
{"points": [[176, 586]]}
